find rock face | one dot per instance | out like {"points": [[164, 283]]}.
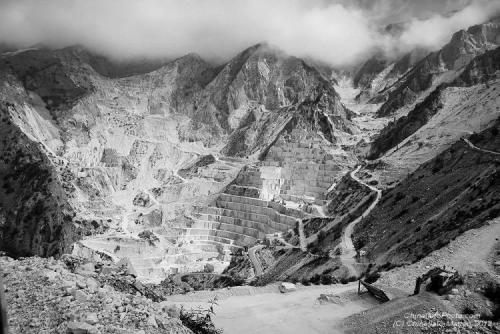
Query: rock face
{"points": [[378, 74], [441, 65], [481, 69], [369, 70]]}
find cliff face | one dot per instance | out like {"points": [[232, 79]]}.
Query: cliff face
{"points": [[463, 47], [261, 85], [373, 66], [458, 95], [379, 73]]}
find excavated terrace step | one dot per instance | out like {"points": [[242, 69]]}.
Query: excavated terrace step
{"points": [[269, 212], [320, 166], [233, 216], [237, 238], [221, 240], [231, 227], [221, 222], [213, 246], [276, 208]]}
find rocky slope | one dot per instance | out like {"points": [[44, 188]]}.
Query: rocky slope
{"points": [[73, 296], [466, 105], [440, 66], [379, 73]]}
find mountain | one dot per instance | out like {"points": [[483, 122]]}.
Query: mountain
{"points": [[378, 74], [149, 178], [126, 138], [440, 66], [449, 112], [456, 191]]}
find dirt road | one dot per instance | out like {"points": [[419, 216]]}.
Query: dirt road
{"points": [[474, 147], [348, 250], [297, 312], [255, 261]]}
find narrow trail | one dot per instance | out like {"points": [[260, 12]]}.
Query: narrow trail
{"points": [[474, 147], [348, 251]]}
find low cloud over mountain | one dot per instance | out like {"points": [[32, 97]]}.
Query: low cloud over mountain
{"points": [[338, 32]]}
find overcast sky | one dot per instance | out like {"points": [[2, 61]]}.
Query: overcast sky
{"points": [[335, 31]]}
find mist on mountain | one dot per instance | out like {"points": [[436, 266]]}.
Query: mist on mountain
{"points": [[336, 32]]}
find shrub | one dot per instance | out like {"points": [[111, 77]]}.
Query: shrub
{"points": [[399, 196], [305, 281], [200, 320], [467, 310], [326, 279], [492, 292], [315, 279], [372, 277], [438, 165], [321, 236], [209, 268], [149, 236]]}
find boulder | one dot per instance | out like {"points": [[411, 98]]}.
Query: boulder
{"points": [[85, 269], [51, 275], [127, 264], [106, 270], [287, 287], [209, 268], [91, 318], [152, 321], [92, 284], [80, 296], [77, 327]]}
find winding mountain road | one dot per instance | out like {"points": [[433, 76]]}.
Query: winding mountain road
{"points": [[348, 251], [255, 261]]}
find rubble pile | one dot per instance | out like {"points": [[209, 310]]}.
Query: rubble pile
{"points": [[73, 296]]}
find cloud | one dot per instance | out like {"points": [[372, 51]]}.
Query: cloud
{"points": [[434, 31], [338, 32]]}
